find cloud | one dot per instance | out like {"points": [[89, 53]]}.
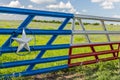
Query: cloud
{"points": [[84, 10], [30, 6], [96, 0], [61, 5], [17, 4], [33, 7], [13, 4], [116, 16], [64, 7], [106, 4], [42, 1]]}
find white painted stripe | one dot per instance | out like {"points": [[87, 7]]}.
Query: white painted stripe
{"points": [[78, 44], [79, 16], [94, 32]]}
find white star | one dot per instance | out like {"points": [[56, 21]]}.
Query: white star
{"points": [[23, 42]]}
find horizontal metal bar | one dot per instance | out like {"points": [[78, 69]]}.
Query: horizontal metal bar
{"points": [[79, 16], [36, 32], [35, 48], [92, 61], [34, 61], [95, 32], [83, 63], [93, 44], [38, 71], [78, 55], [34, 12]]}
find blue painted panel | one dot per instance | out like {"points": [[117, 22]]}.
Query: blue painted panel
{"points": [[36, 32], [34, 12], [38, 71], [15, 32], [23, 25], [49, 42], [36, 48], [36, 61]]}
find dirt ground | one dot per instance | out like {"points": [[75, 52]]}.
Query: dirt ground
{"points": [[64, 76]]}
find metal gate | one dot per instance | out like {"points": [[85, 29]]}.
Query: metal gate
{"points": [[7, 49]]}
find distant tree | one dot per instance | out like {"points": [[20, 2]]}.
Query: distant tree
{"points": [[69, 22], [46, 21], [95, 23], [86, 23], [83, 23], [34, 20], [76, 23], [55, 21]]}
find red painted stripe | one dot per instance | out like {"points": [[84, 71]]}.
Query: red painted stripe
{"points": [[92, 61], [92, 54], [88, 45], [112, 49], [70, 53], [93, 51], [118, 51]]}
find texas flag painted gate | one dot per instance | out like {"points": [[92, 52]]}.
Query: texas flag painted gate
{"points": [[24, 41]]}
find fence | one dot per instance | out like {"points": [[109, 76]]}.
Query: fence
{"points": [[7, 49]]}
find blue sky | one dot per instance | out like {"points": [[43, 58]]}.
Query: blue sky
{"points": [[108, 8]]}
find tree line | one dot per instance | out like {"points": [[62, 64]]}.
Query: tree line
{"points": [[55, 21]]}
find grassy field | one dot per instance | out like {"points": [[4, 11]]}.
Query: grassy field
{"points": [[100, 71]]}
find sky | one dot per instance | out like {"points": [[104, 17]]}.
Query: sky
{"points": [[106, 8]]}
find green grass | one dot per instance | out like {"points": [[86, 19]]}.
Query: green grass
{"points": [[90, 72]]}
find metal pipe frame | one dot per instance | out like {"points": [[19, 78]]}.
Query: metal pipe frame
{"points": [[83, 28], [105, 29], [94, 53], [95, 32], [38, 71], [28, 62], [90, 17], [36, 32], [35, 48], [85, 32], [6, 48], [34, 12]]}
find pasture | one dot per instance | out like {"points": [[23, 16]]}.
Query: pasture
{"points": [[100, 71]]}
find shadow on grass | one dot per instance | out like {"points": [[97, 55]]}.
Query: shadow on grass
{"points": [[100, 71]]}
